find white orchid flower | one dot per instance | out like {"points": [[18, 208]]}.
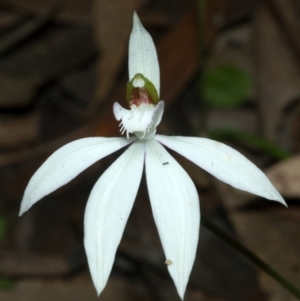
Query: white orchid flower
{"points": [[173, 196]]}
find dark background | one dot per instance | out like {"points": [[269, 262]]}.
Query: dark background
{"points": [[64, 63]]}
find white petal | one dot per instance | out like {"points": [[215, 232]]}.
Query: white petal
{"points": [[157, 115], [225, 163], [107, 211], [142, 54], [175, 206], [66, 163]]}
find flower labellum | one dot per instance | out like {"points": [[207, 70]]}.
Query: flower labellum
{"points": [[173, 196]]}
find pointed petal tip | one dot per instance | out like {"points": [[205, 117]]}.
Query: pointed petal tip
{"points": [[181, 286], [282, 201], [136, 21], [99, 286], [181, 292], [117, 110], [135, 17], [99, 283], [277, 197], [24, 207], [21, 212], [161, 104], [98, 290]]}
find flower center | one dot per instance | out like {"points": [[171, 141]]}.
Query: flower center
{"points": [[145, 109], [139, 96], [141, 91], [141, 120]]}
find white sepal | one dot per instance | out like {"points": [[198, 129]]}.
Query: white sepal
{"points": [[107, 211], [65, 164], [142, 54], [175, 205], [225, 163], [141, 120]]}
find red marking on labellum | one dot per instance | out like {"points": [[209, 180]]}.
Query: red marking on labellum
{"points": [[139, 96]]}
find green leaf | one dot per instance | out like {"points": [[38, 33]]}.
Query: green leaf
{"points": [[5, 283], [225, 86]]}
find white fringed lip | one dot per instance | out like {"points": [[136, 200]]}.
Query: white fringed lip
{"points": [[140, 120]]}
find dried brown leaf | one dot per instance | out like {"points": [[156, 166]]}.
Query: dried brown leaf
{"points": [[27, 69], [19, 131], [273, 236], [74, 289], [277, 74], [23, 31], [75, 11], [8, 20], [113, 22], [285, 176], [17, 92], [21, 264]]}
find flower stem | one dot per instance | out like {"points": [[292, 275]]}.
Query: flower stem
{"points": [[251, 256]]}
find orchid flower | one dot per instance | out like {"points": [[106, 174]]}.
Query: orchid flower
{"points": [[173, 196]]}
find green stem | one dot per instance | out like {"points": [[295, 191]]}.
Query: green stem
{"points": [[251, 256]]}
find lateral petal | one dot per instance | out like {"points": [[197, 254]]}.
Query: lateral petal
{"points": [[66, 163], [142, 54], [107, 211], [225, 163], [175, 206]]}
